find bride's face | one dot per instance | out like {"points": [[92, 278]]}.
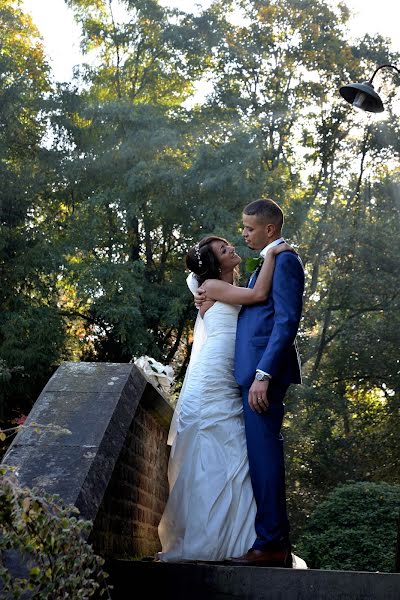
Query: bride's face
{"points": [[226, 255]]}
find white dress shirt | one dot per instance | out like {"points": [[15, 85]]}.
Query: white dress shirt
{"points": [[271, 245]]}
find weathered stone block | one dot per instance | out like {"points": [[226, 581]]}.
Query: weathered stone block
{"points": [[96, 436]]}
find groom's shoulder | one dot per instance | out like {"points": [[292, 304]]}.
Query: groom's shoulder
{"points": [[289, 258]]}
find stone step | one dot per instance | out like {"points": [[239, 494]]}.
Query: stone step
{"points": [[207, 581]]}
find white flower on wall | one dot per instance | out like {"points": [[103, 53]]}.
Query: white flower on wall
{"points": [[161, 376]]}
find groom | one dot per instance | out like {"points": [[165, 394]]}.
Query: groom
{"points": [[266, 363]]}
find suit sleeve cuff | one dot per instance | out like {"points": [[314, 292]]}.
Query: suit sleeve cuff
{"points": [[264, 373]]}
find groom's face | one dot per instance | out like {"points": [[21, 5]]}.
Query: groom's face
{"points": [[255, 232]]}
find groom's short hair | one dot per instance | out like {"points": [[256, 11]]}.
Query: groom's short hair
{"points": [[265, 210]]}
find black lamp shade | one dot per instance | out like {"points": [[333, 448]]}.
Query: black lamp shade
{"points": [[362, 95]]}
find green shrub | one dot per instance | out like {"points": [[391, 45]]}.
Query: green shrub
{"points": [[45, 542], [355, 528]]}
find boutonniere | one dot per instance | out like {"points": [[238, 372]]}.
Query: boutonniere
{"points": [[253, 263]]}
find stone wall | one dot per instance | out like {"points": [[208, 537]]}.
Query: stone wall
{"points": [[97, 436]]}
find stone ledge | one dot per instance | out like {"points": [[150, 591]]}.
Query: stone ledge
{"points": [[97, 404], [200, 581]]}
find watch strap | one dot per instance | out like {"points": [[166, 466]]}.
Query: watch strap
{"points": [[264, 374]]}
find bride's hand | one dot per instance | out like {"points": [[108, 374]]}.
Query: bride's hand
{"points": [[200, 297], [284, 247]]}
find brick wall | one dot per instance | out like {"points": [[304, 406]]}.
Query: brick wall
{"points": [[127, 521]]}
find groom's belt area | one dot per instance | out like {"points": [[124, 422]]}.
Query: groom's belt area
{"points": [[261, 341]]}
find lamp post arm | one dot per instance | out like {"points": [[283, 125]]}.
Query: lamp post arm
{"points": [[381, 67]]}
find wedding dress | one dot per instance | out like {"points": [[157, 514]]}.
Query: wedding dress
{"points": [[211, 510]]}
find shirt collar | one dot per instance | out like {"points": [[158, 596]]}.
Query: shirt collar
{"points": [[271, 245]]}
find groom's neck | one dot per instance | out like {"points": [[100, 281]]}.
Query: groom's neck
{"points": [[269, 240]]}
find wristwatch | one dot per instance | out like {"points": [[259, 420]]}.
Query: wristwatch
{"points": [[262, 376]]}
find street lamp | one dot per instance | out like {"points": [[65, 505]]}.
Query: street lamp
{"points": [[362, 95]]}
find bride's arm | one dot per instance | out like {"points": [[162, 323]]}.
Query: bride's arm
{"points": [[225, 292]]}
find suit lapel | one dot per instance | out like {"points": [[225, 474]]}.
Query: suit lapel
{"points": [[253, 278]]}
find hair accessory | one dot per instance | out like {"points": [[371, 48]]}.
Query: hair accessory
{"points": [[197, 252]]}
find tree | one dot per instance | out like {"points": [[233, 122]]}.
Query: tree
{"points": [[353, 529], [136, 169], [31, 330]]}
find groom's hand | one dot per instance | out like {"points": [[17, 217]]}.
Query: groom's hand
{"points": [[258, 400]]}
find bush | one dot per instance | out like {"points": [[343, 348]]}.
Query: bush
{"points": [[44, 554], [354, 529]]}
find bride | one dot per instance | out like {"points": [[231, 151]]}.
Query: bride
{"points": [[211, 509]]}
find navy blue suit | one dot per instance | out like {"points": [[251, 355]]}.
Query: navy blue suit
{"points": [[265, 340]]}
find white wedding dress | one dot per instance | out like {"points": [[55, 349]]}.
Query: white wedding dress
{"points": [[210, 511]]}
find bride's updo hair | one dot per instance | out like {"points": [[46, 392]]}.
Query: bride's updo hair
{"points": [[202, 261]]}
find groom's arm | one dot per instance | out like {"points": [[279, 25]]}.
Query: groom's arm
{"points": [[287, 294]]}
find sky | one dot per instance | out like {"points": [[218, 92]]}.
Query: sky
{"points": [[61, 34]]}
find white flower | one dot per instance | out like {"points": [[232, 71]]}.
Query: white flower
{"points": [[161, 376]]}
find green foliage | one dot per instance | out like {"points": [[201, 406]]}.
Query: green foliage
{"points": [[47, 542], [31, 334], [151, 57], [96, 217], [353, 529]]}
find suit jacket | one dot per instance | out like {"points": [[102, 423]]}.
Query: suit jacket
{"points": [[266, 332]]}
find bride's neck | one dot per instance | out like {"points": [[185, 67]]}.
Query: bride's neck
{"points": [[228, 277]]}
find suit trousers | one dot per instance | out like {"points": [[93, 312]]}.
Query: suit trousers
{"points": [[267, 467]]}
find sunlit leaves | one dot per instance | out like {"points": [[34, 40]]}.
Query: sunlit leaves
{"points": [[48, 541], [145, 55]]}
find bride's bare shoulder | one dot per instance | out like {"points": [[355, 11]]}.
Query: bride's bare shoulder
{"points": [[214, 284]]}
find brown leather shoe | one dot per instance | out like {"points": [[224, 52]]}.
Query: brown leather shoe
{"points": [[264, 558]]}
